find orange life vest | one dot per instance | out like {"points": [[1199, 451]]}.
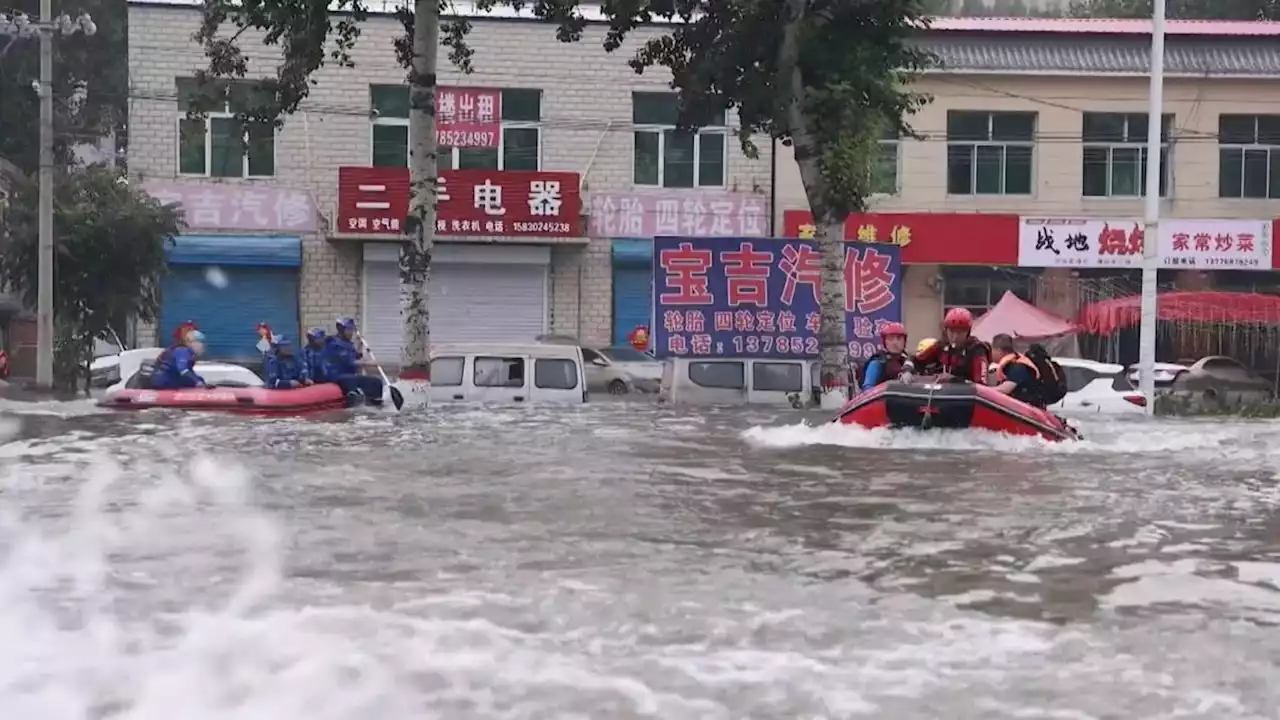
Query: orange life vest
{"points": [[1012, 358]]}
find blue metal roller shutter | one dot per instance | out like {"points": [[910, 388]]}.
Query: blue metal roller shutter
{"points": [[261, 285], [632, 286]]}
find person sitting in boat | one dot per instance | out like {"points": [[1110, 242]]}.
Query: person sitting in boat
{"points": [[963, 358], [284, 369], [175, 368], [1016, 375], [313, 354], [887, 364], [340, 364], [921, 347]]}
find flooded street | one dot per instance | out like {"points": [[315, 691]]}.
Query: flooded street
{"points": [[629, 561]]}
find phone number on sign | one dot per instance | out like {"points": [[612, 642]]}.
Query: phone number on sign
{"points": [[751, 344], [544, 228], [466, 138]]}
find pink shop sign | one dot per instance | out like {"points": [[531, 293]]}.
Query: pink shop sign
{"points": [[239, 207], [691, 213]]}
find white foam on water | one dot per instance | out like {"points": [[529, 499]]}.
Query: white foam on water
{"points": [[51, 408], [1199, 439]]}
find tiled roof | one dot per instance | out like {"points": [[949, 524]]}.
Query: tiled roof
{"points": [[1106, 26], [1103, 55]]}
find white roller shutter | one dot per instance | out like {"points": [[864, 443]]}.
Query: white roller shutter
{"points": [[476, 294]]}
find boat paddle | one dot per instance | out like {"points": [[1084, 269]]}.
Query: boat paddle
{"points": [[397, 398]]}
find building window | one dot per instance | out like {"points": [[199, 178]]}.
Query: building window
{"points": [[520, 136], [979, 289], [1115, 154], [219, 145], [1248, 165], [667, 157], [884, 173], [989, 153]]}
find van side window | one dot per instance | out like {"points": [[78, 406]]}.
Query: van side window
{"points": [[446, 371], [777, 376], [553, 374], [729, 375], [499, 372]]}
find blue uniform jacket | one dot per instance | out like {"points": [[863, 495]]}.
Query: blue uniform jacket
{"points": [[175, 369], [283, 370], [313, 358], [874, 370], [340, 358]]}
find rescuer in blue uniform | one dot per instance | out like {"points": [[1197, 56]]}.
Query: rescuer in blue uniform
{"points": [[340, 356], [175, 368], [313, 355], [284, 369]]}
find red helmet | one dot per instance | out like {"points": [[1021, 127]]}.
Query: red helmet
{"points": [[892, 328], [958, 319]]}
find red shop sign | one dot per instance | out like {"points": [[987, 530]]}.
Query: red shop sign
{"points": [[513, 203], [468, 117], [943, 238]]}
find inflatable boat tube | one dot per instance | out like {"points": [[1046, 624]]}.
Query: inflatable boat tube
{"points": [[928, 405], [242, 400]]}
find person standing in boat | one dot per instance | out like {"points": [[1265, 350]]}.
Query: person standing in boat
{"points": [[886, 365], [284, 369], [175, 368], [962, 358], [341, 366]]}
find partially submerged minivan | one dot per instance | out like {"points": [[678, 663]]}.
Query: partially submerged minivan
{"points": [[730, 381], [515, 373]]}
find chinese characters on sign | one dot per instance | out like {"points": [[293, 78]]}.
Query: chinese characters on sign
{"points": [[238, 207], [644, 215], [468, 117], [899, 235], [727, 297], [926, 237], [375, 201], [1184, 244]]}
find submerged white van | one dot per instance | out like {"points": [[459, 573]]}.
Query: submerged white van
{"points": [[507, 373], [731, 381]]}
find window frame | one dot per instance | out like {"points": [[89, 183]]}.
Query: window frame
{"points": [[742, 373], [506, 360], [462, 370], [661, 130], [758, 364], [890, 141], [574, 373], [995, 287], [989, 141], [207, 121], [1131, 139], [1272, 191], [379, 120]]}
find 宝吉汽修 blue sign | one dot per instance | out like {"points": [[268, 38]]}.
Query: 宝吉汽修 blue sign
{"points": [[753, 297]]}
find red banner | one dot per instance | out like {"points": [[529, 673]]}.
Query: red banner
{"points": [[513, 203], [942, 238], [468, 117]]}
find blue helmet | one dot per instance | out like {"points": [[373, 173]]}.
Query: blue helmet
{"points": [[346, 323], [315, 334]]}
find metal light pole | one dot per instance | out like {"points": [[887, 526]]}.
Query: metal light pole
{"points": [[20, 27], [1151, 225]]}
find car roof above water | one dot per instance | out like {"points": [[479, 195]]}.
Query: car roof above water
{"points": [[536, 350]]}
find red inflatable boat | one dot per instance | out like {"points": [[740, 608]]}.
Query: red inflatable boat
{"points": [[244, 400], [925, 404]]}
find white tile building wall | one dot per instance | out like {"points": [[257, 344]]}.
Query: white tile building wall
{"points": [[586, 111]]}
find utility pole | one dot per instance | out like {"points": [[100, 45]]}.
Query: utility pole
{"points": [[44, 305], [20, 27]]}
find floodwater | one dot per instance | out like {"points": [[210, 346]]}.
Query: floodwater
{"points": [[622, 560]]}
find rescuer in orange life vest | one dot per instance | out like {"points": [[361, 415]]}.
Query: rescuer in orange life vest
{"points": [[962, 357]]}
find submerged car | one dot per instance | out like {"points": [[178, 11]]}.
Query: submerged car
{"points": [[644, 369]]}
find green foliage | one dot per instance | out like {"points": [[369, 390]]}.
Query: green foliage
{"points": [[1179, 9], [110, 243], [95, 68]]}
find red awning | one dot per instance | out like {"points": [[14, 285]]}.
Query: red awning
{"points": [[1210, 308], [1024, 321]]}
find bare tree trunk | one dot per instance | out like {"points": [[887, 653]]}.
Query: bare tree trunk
{"points": [[415, 256], [829, 235]]}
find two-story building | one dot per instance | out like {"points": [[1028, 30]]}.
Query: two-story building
{"points": [[560, 162], [1032, 155]]}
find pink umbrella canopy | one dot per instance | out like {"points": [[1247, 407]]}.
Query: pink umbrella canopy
{"points": [[1024, 321]]}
